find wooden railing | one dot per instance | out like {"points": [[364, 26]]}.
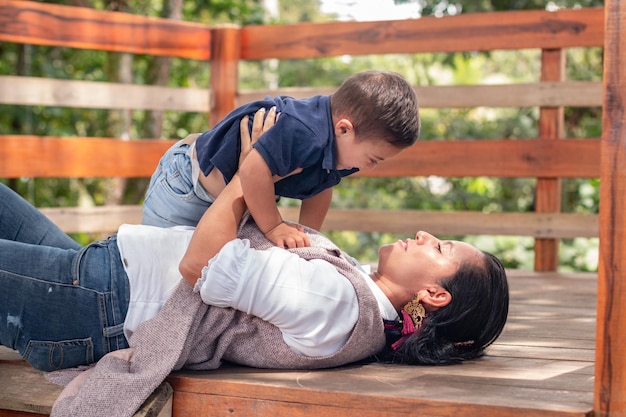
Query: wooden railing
{"points": [[549, 157]]}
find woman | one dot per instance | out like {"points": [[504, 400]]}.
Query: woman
{"points": [[435, 302]]}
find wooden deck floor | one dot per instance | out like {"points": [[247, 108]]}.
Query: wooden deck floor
{"points": [[542, 365]]}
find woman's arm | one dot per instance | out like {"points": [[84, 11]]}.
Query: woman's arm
{"points": [[217, 227], [220, 222]]}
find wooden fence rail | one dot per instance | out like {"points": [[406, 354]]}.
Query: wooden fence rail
{"points": [[549, 158], [544, 158]]}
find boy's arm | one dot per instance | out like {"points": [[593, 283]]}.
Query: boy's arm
{"points": [[313, 210], [257, 183], [220, 222]]}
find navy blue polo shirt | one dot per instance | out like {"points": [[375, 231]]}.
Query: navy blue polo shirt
{"points": [[303, 137]]}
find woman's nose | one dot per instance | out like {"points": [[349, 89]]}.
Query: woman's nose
{"points": [[422, 237]]}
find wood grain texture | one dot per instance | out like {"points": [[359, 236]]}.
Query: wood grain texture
{"points": [[107, 219], [34, 91], [224, 71], [542, 365], [78, 27], [611, 351], [25, 389], [565, 93], [465, 32], [26, 392], [495, 158], [78, 157], [548, 191], [105, 157]]}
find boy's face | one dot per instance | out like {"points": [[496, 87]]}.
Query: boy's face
{"points": [[362, 154]]}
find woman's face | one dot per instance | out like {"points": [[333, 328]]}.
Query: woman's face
{"points": [[418, 263]]}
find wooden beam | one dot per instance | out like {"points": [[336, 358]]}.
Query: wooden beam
{"points": [[548, 191], [102, 157], [78, 157], [224, 71], [610, 374], [449, 223], [36, 91], [495, 158], [464, 32], [79, 27], [567, 93]]}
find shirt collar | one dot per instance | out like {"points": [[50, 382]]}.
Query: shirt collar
{"points": [[387, 310]]}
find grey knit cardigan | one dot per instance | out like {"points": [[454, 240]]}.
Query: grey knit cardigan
{"points": [[190, 334]]}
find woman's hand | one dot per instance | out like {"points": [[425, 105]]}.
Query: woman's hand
{"points": [[260, 125]]}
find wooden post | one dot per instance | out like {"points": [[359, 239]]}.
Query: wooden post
{"points": [[610, 369], [548, 191], [225, 55]]}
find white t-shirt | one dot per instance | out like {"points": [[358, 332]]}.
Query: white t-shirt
{"points": [[313, 305]]}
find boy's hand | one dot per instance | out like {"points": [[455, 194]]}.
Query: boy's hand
{"points": [[288, 237]]}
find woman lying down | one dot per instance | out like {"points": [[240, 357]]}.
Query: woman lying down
{"points": [[147, 301]]}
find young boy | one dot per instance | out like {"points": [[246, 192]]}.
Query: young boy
{"points": [[314, 143]]}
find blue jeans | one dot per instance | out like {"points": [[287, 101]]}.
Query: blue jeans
{"points": [[174, 196], [61, 305]]}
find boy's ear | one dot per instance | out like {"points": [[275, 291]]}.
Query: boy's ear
{"points": [[343, 126]]}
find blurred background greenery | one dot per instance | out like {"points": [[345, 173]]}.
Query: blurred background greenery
{"points": [[427, 193]]}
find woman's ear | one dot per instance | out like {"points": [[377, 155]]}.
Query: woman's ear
{"points": [[435, 297], [343, 126]]}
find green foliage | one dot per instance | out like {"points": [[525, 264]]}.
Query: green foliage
{"points": [[431, 193]]}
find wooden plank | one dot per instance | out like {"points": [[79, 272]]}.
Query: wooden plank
{"points": [[610, 386], [448, 223], [374, 389], [516, 378], [564, 225], [224, 71], [566, 93], [25, 389], [548, 190], [26, 392], [77, 27], [78, 157], [104, 157], [34, 91], [100, 219], [464, 32], [355, 406], [495, 158]]}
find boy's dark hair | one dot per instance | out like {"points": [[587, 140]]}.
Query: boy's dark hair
{"points": [[379, 104]]}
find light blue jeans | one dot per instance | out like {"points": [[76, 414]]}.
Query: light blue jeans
{"points": [[175, 197], [61, 305]]}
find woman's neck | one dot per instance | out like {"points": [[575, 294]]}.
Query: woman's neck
{"points": [[389, 289]]}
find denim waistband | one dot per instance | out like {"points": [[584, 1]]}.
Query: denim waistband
{"points": [[104, 258]]}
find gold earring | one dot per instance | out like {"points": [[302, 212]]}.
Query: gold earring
{"points": [[416, 311]]}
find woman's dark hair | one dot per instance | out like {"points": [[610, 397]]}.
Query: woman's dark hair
{"points": [[464, 328], [380, 104]]}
